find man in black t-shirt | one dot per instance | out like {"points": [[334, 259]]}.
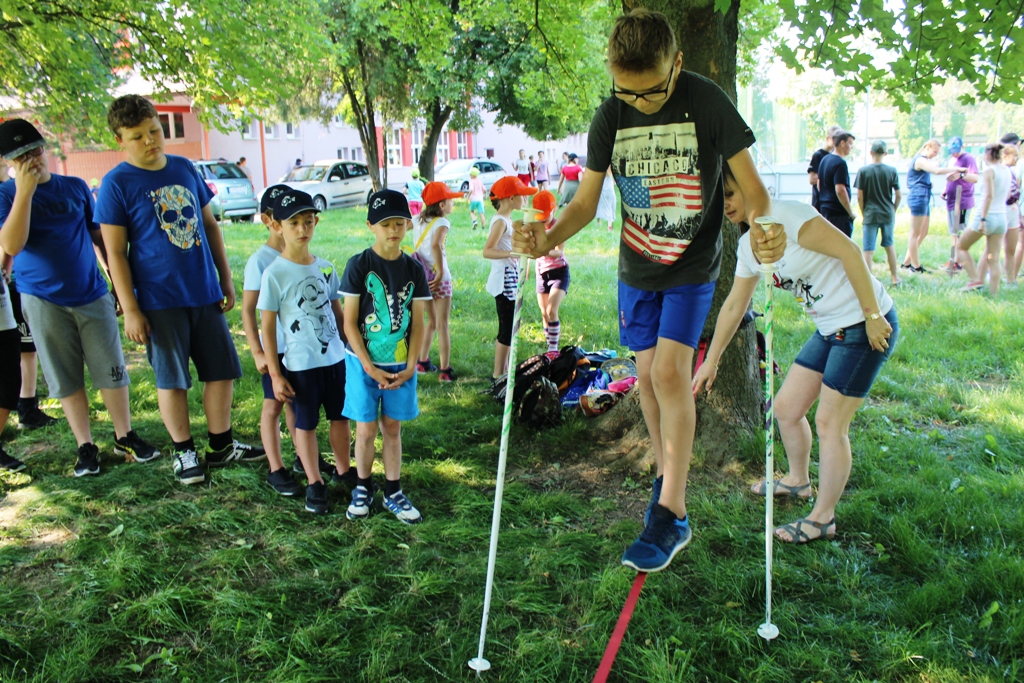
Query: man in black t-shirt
{"points": [[664, 133], [812, 168], [834, 184]]}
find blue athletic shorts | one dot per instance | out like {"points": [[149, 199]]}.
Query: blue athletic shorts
{"points": [[477, 206], [365, 401], [197, 332], [315, 388], [677, 314], [268, 383], [846, 360]]}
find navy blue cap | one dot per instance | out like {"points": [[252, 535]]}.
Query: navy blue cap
{"points": [[269, 195], [292, 202], [387, 204], [18, 136]]}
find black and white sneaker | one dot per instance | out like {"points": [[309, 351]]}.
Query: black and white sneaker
{"points": [[88, 460], [348, 480], [362, 500], [9, 463], [282, 481], [398, 505], [233, 452], [187, 468], [135, 447], [316, 498]]}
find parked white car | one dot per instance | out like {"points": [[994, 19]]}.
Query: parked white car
{"points": [[332, 183], [455, 173]]}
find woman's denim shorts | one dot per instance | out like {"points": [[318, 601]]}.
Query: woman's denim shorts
{"points": [[845, 359], [920, 204]]}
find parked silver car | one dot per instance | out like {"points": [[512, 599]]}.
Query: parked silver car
{"points": [[455, 173], [332, 182], [233, 195]]}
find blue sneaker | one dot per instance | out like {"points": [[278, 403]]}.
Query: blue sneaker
{"points": [[362, 499], [663, 537], [655, 495], [398, 505]]}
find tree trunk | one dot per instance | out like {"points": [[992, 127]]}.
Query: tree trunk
{"points": [[728, 415], [365, 114], [437, 116]]}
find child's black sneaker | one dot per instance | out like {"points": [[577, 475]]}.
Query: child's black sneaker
{"points": [[131, 445], [88, 460], [234, 451], [326, 468], [316, 498], [446, 375], [187, 468], [361, 502], [9, 463], [31, 417], [282, 481], [348, 480], [398, 505]]}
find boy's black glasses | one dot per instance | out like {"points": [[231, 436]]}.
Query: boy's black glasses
{"points": [[651, 95]]}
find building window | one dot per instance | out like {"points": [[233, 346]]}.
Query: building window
{"points": [[462, 145], [173, 125], [394, 143], [249, 131], [291, 130], [490, 153], [443, 153], [357, 154], [270, 131], [338, 121], [419, 134], [342, 153]]}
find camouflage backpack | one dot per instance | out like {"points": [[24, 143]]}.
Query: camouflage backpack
{"points": [[540, 406]]}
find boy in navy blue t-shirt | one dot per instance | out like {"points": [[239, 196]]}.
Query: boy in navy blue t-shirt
{"points": [[48, 224], [174, 284]]}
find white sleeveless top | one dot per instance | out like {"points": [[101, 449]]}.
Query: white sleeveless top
{"points": [[1000, 189]]}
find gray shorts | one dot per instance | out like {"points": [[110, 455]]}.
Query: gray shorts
{"points": [[955, 228], [200, 333], [69, 338]]}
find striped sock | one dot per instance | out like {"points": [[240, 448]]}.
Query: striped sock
{"points": [[552, 332]]}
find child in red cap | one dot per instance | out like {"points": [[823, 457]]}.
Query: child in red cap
{"points": [[506, 196], [552, 273], [430, 230]]}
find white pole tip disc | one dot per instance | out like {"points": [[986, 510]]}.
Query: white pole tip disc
{"points": [[766, 631], [481, 664]]}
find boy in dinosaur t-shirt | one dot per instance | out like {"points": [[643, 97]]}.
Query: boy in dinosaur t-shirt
{"points": [[385, 294]]}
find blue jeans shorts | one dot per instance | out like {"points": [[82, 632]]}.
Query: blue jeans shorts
{"points": [[677, 313], [315, 388], [846, 360], [920, 204], [197, 332], [871, 233], [365, 401]]}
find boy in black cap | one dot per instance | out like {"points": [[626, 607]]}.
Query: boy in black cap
{"points": [[385, 293], [48, 224], [299, 295]]}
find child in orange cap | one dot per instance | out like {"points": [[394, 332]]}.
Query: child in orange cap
{"points": [[506, 196], [430, 230], [552, 273]]}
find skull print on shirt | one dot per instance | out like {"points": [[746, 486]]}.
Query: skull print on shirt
{"points": [[177, 210]]}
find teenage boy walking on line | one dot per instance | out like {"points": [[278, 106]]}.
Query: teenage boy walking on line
{"points": [[663, 132]]}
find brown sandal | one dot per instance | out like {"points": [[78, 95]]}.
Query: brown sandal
{"points": [[798, 537], [783, 490]]}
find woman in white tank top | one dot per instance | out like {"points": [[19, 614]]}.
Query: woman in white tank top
{"points": [[989, 221]]}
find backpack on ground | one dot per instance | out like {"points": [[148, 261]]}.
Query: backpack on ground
{"points": [[565, 366], [540, 406], [529, 370]]}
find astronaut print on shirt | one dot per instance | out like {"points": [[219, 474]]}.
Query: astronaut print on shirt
{"points": [[176, 209], [656, 169]]}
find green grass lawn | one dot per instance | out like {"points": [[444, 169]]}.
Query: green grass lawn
{"points": [[130, 576]]}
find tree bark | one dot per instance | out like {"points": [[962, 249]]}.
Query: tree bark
{"points": [[727, 416], [437, 115], [365, 115]]}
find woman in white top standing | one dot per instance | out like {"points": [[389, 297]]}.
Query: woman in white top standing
{"points": [[989, 221], [856, 332]]}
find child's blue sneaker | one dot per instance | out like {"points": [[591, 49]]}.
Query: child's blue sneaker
{"points": [[398, 505], [655, 495], [664, 536], [362, 499]]}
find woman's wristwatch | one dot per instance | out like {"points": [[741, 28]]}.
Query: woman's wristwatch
{"points": [[873, 316]]}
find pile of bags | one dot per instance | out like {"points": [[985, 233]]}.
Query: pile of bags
{"points": [[548, 384]]}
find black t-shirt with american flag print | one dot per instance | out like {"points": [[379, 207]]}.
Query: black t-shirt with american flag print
{"points": [[668, 169]]}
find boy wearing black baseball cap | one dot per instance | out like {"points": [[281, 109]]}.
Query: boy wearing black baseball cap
{"points": [[385, 294], [48, 223], [299, 299]]}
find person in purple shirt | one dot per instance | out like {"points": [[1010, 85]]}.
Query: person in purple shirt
{"points": [[958, 214]]}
